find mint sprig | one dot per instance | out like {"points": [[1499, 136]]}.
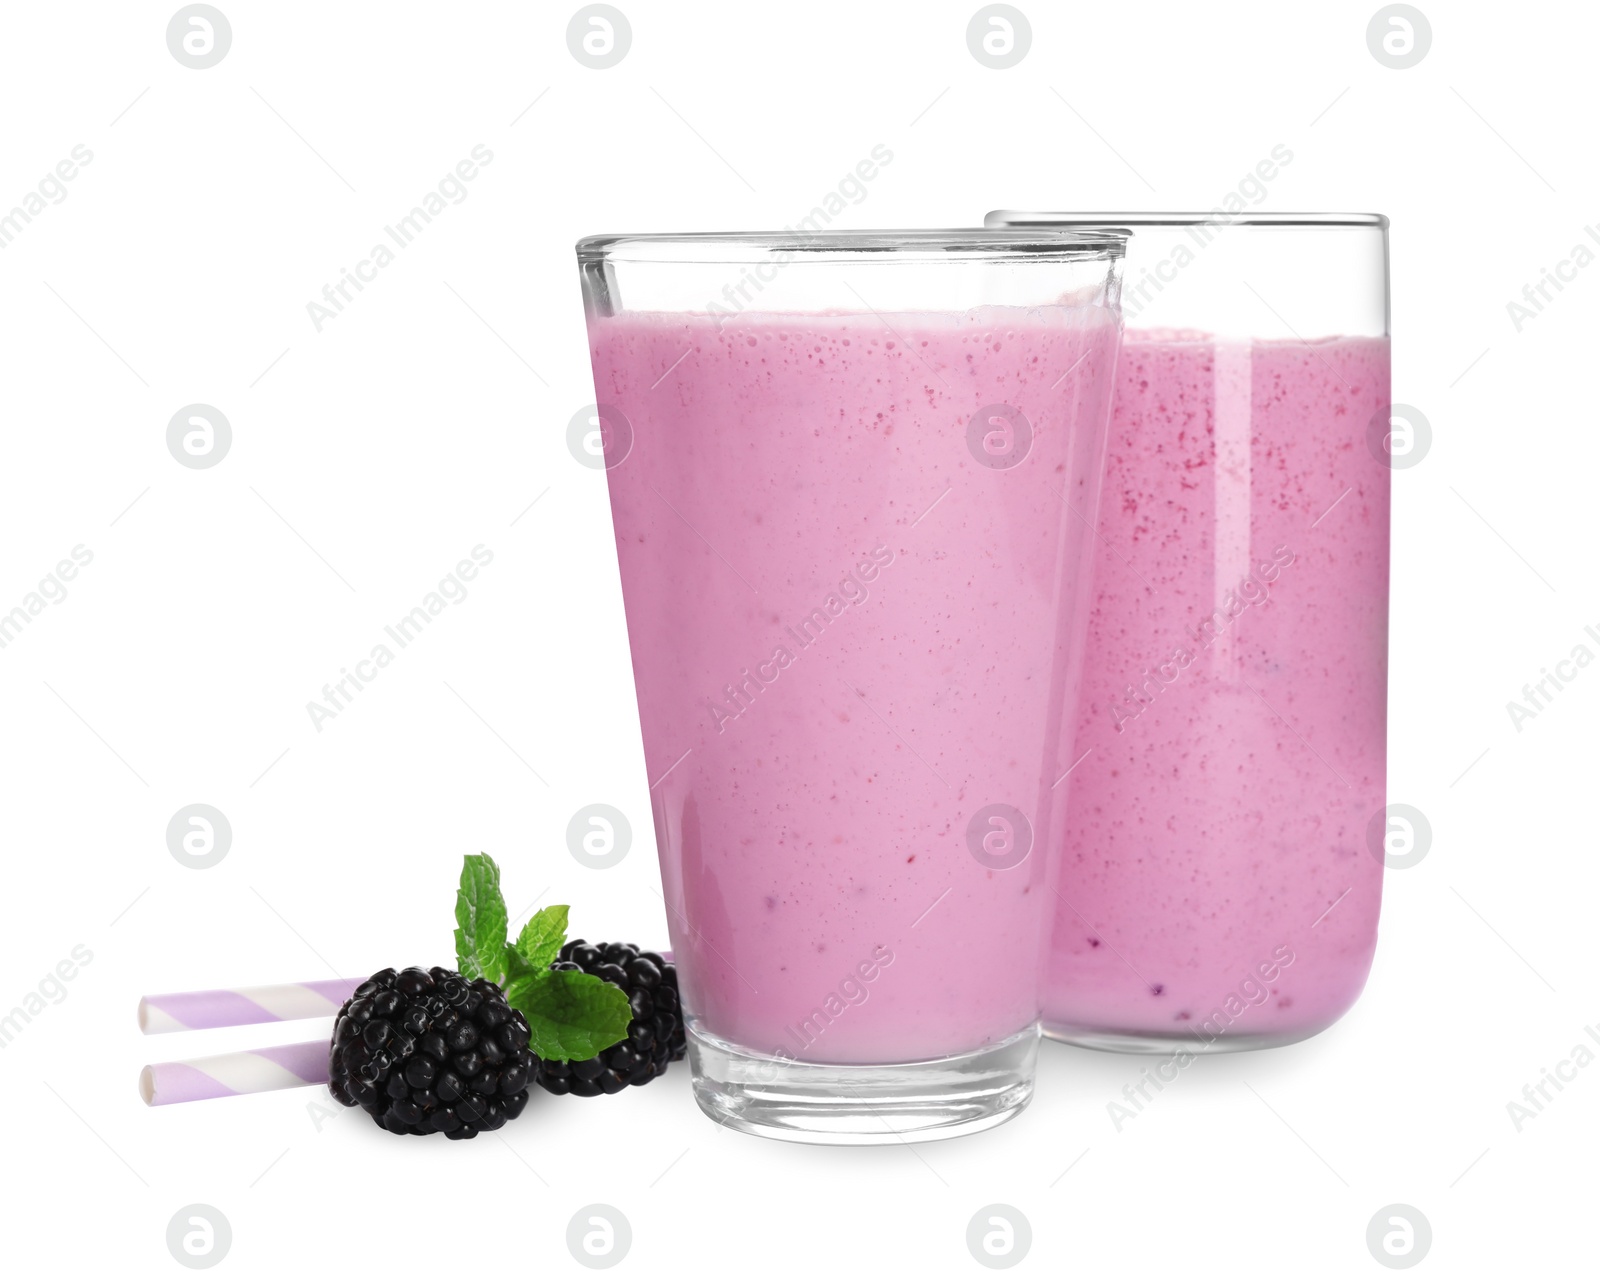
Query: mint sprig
{"points": [[571, 1015], [481, 920], [540, 941]]}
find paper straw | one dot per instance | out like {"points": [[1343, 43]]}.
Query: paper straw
{"points": [[224, 1075], [235, 1007]]}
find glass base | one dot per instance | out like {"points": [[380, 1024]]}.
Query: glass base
{"points": [[862, 1104], [1165, 1042]]}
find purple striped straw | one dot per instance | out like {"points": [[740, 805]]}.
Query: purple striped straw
{"points": [[224, 1075], [237, 1006]]}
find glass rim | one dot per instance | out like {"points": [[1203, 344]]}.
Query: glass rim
{"points": [[1008, 217], [734, 247]]}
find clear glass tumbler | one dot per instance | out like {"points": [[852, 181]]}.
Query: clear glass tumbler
{"points": [[851, 480], [1223, 854]]}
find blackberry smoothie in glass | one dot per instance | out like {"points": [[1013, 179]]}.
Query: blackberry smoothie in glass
{"points": [[855, 592], [1222, 850]]}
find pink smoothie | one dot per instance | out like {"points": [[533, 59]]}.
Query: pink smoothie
{"points": [[849, 637], [1234, 699]]}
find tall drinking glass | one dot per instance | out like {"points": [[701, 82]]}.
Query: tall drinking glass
{"points": [[851, 478], [1223, 859]]}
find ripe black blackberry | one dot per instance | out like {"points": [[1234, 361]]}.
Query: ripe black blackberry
{"points": [[655, 1037], [426, 1051]]}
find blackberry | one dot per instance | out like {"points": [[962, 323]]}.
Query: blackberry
{"points": [[655, 1037], [427, 1051]]}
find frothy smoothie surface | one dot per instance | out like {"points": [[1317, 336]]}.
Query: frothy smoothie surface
{"points": [[851, 635], [1216, 876]]}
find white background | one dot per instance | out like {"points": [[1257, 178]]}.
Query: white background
{"points": [[428, 417]]}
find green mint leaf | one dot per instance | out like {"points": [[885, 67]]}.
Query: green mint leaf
{"points": [[540, 941], [571, 1015], [516, 967], [481, 918]]}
